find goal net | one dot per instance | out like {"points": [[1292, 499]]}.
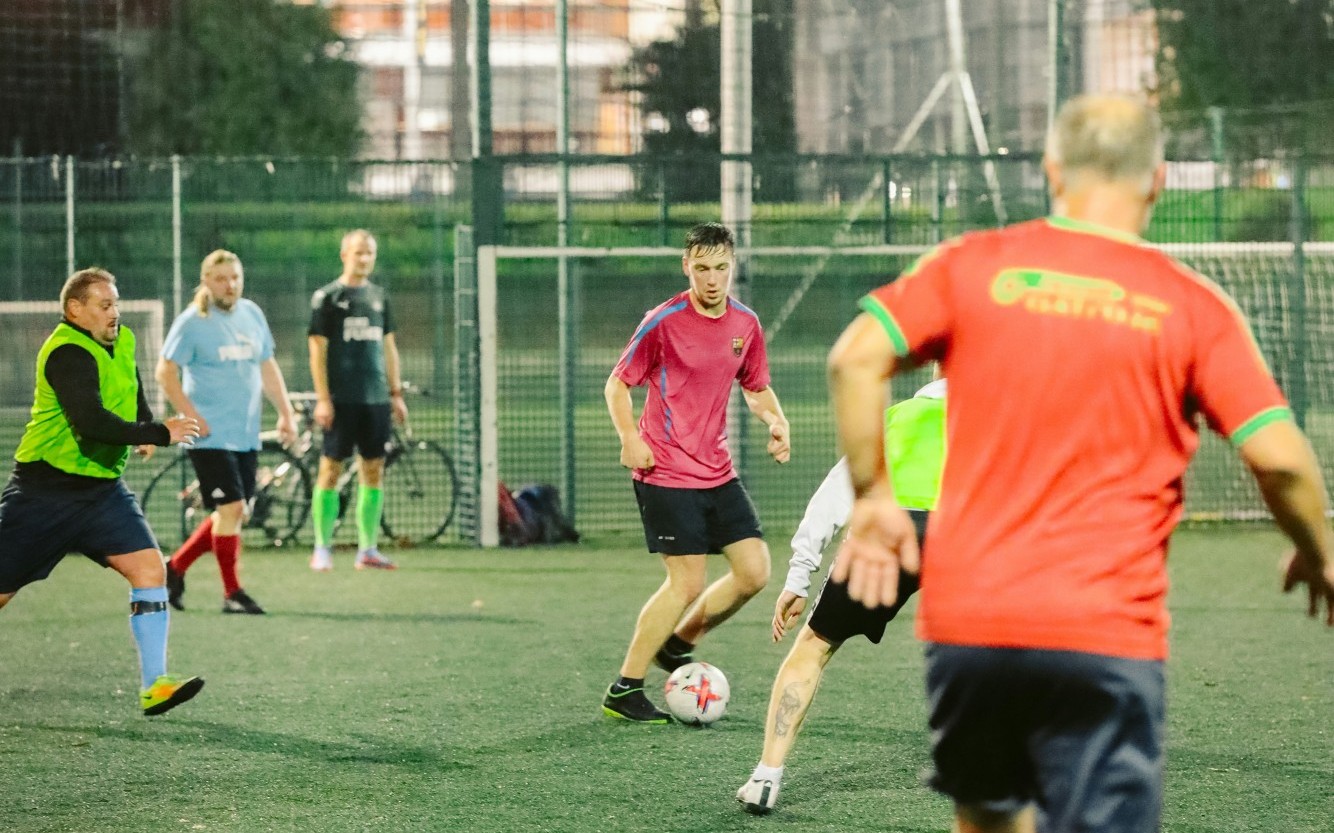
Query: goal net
{"points": [[543, 361]]}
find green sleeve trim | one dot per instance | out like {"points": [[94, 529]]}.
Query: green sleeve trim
{"points": [[1255, 423], [878, 311]]}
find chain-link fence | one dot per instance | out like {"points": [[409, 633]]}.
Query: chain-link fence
{"points": [[151, 222]]}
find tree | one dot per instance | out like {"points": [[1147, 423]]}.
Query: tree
{"points": [[240, 77], [679, 81], [59, 77], [1270, 63]]}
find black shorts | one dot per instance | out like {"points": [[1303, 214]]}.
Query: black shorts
{"points": [[836, 616], [366, 428], [1079, 735], [224, 476], [37, 529], [696, 521]]}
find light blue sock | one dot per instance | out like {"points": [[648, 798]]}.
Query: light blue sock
{"points": [[148, 622]]}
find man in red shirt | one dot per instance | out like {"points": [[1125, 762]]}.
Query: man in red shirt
{"points": [[1079, 362], [687, 351]]}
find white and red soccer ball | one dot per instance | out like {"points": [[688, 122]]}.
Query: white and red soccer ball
{"points": [[697, 693]]}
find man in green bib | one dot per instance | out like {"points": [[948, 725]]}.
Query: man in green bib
{"points": [[66, 493], [915, 455]]}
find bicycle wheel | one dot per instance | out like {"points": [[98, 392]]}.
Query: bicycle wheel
{"points": [[171, 502], [282, 498], [420, 490]]}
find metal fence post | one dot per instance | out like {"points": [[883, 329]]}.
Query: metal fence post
{"points": [[177, 276], [664, 208], [1216, 146], [886, 209], [1296, 381], [17, 276], [467, 429], [440, 288], [69, 215]]}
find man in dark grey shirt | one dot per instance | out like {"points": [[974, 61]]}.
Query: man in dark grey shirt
{"points": [[355, 370]]}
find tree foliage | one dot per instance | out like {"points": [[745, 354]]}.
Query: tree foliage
{"points": [[241, 77], [59, 83], [1268, 63], [681, 77]]}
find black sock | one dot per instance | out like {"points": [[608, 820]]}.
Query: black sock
{"points": [[624, 684], [677, 647]]}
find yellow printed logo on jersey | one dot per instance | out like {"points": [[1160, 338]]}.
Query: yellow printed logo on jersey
{"points": [[1045, 292], [738, 344]]}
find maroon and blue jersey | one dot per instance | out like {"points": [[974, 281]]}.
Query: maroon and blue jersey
{"points": [[688, 361]]}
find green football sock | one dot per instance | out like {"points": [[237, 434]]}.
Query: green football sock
{"points": [[324, 512], [370, 506]]}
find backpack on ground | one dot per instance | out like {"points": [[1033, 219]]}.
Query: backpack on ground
{"points": [[539, 504]]}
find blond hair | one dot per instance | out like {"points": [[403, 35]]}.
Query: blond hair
{"points": [[1113, 138], [217, 257], [77, 285], [355, 234]]}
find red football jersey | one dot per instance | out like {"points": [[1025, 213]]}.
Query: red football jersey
{"points": [[1078, 359], [688, 361]]}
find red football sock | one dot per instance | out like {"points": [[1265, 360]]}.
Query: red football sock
{"points": [[228, 549], [196, 545]]}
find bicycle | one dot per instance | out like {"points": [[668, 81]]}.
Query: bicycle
{"points": [[419, 482]]}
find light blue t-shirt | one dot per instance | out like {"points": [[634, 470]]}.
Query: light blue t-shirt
{"points": [[220, 355]]}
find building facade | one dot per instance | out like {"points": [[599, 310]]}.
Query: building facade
{"points": [[415, 107]]}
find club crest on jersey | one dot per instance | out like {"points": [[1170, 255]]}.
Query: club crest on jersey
{"points": [[737, 344]]}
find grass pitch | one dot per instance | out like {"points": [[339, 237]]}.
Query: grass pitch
{"points": [[462, 693]]}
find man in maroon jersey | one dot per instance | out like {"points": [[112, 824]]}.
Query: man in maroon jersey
{"points": [[687, 351], [1080, 362]]}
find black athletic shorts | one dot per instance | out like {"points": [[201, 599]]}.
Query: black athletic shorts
{"points": [[696, 521], [224, 476], [365, 428], [836, 616], [37, 529], [1079, 735]]}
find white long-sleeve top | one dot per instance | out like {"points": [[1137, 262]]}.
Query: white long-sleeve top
{"points": [[826, 513]]}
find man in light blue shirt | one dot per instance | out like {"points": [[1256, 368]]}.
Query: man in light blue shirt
{"points": [[223, 344]]}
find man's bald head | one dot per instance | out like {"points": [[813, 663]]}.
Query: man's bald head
{"points": [[1111, 138]]}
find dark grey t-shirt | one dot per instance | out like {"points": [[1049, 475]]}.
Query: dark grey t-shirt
{"points": [[355, 319]]}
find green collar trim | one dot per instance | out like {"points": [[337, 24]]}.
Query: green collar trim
{"points": [[1086, 227]]}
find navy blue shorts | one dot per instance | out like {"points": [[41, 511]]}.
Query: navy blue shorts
{"points": [[38, 529], [366, 428], [696, 521], [836, 617], [1078, 735], [224, 476]]}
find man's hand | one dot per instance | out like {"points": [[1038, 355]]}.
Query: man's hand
{"points": [[881, 539], [145, 451], [400, 409], [1319, 584], [286, 429], [204, 430], [635, 453], [780, 443], [183, 429], [786, 613], [324, 413]]}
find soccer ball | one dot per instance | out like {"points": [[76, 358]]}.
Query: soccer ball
{"points": [[697, 693]]}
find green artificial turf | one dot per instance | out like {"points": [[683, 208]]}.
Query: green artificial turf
{"points": [[462, 693]]}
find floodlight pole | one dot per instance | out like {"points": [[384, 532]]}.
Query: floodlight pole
{"points": [[737, 46], [566, 308], [414, 32], [956, 73], [735, 199]]}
